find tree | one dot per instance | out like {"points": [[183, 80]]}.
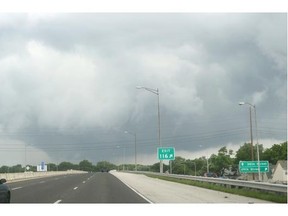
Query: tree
{"points": [[85, 165], [31, 168], [221, 161], [193, 167], [64, 166], [243, 153], [156, 167], [179, 166], [52, 167], [143, 167], [4, 169], [104, 165], [275, 153], [17, 168], [13, 169], [201, 165]]}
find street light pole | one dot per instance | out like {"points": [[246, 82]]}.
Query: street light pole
{"points": [[258, 156], [25, 158], [155, 91], [194, 167], [124, 157], [25, 165], [251, 134], [135, 147]]}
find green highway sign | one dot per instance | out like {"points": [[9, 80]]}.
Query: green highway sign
{"points": [[166, 153], [252, 166]]}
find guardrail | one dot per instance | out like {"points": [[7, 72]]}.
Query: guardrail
{"points": [[227, 182]]}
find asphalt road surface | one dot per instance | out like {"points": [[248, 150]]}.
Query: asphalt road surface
{"points": [[77, 188], [115, 187]]}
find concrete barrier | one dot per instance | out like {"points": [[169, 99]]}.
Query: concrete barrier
{"points": [[11, 177]]}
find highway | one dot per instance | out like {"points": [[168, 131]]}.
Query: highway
{"points": [[115, 187], [77, 188]]}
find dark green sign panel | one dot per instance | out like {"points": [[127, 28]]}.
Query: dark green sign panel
{"points": [[166, 153], [252, 166]]}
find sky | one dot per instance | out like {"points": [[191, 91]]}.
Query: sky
{"points": [[68, 84]]}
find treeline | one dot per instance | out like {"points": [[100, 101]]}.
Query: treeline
{"points": [[84, 165], [225, 159]]}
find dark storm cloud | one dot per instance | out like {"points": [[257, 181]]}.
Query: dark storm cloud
{"points": [[68, 82]]}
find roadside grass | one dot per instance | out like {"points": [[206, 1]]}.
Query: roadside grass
{"points": [[268, 196]]}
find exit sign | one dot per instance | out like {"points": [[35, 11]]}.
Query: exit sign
{"points": [[166, 153]]}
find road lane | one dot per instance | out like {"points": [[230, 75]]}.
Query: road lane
{"points": [[77, 188], [45, 190], [115, 187], [103, 188]]}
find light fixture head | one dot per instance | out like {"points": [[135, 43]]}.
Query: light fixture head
{"points": [[241, 103]]}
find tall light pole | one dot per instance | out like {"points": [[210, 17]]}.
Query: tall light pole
{"points": [[207, 165], [135, 147], [251, 134], [155, 91], [194, 167], [26, 145], [123, 156], [25, 162]]}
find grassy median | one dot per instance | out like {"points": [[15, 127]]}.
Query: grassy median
{"points": [[268, 196]]}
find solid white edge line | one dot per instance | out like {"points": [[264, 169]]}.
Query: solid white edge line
{"points": [[148, 200], [137, 192]]}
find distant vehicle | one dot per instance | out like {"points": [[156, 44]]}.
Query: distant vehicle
{"points": [[5, 193], [210, 174]]}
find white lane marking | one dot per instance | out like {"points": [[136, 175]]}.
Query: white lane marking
{"points": [[58, 201], [16, 188], [84, 182], [148, 200], [75, 188]]}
